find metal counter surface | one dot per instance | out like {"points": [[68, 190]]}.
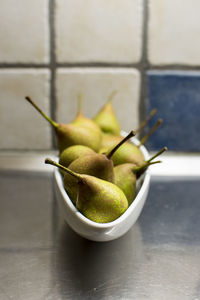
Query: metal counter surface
{"points": [[42, 258]]}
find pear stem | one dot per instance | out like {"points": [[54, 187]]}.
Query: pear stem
{"points": [[111, 96], [145, 165], [148, 118], [140, 169], [80, 101], [113, 150], [157, 154], [53, 163], [53, 123], [150, 132]]}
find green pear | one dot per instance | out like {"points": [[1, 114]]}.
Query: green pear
{"points": [[128, 153], [72, 153], [127, 174], [95, 164], [125, 179], [98, 200], [71, 134], [81, 120], [106, 118]]}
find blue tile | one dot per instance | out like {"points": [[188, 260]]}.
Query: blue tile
{"points": [[176, 95]]}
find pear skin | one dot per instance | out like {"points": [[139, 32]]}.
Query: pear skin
{"points": [[125, 179], [106, 118], [99, 200], [81, 120], [70, 134], [93, 164], [128, 153], [109, 140], [73, 152]]}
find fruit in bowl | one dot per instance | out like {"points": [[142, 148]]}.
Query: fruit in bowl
{"points": [[102, 231], [103, 177], [102, 210]]}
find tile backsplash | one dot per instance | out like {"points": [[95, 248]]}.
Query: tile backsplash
{"points": [[98, 31], [52, 50]]}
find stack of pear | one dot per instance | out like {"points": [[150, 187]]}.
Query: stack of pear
{"points": [[94, 164], [100, 168], [127, 174], [75, 133], [98, 200]]}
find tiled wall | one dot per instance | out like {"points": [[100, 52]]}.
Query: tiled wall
{"points": [[53, 49]]}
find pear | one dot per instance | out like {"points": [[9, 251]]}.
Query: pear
{"points": [[73, 152], [109, 140], [71, 134], [97, 199], [127, 174], [81, 120], [128, 153], [98, 165], [106, 118]]}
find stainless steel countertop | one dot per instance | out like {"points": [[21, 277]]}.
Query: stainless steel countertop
{"points": [[42, 258]]}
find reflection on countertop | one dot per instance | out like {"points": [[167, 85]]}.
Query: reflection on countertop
{"points": [[42, 258]]}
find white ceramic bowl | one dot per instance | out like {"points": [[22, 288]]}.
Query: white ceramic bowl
{"points": [[103, 231]]}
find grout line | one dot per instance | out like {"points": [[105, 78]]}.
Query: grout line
{"points": [[144, 63], [23, 65], [52, 67], [170, 67], [99, 65]]}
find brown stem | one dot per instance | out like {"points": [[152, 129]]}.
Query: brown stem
{"points": [[150, 132], [53, 123], [111, 96], [139, 170], [53, 163], [113, 150], [157, 154], [148, 118]]}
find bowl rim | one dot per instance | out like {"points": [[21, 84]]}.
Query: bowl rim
{"points": [[130, 209]]}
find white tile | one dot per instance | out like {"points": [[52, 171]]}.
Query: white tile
{"points": [[24, 32], [21, 126], [96, 85], [100, 31], [174, 30]]}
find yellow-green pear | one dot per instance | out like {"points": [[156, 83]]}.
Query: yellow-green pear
{"points": [[106, 118], [127, 174], [81, 120], [97, 199], [71, 134]]}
